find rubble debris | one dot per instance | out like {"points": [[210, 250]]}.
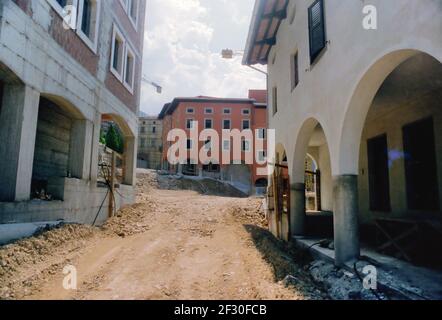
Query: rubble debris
{"points": [[42, 195], [25, 261], [251, 212]]}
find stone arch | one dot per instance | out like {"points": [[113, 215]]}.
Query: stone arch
{"points": [[311, 141], [63, 149], [130, 146], [8, 76], [303, 138], [121, 122], [313, 160], [348, 150], [279, 183], [281, 153], [359, 104], [311, 183], [65, 104]]}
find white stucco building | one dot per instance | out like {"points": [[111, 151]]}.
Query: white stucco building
{"points": [[150, 142], [364, 103]]}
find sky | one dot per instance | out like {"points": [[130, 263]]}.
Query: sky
{"points": [[182, 50]]}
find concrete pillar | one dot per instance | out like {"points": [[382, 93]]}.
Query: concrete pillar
{"points": [[297, 209], [222, 173], [346, 228], [95, 148], [18, 127], [80, 149], [130, 153]]}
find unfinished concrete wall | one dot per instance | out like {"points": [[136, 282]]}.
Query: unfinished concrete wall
{"points": [[52, 144], [83, 202], [40, 59], [18, 122]]}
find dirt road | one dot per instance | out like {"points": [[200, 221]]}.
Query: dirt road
{"points": [[171, 245]]}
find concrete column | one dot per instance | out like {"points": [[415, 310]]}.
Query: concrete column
{"points": [[346, 228], [130, 153], [81, 149], [297, 209], [222, 173], [95, 148], [18, 127]]}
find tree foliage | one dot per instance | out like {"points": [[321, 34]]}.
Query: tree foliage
{"points": [[114, 139], [102, 137]]}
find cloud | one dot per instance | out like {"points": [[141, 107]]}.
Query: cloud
{"points": [[182, 48]]}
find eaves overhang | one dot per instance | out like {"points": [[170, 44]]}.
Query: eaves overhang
{"points": [[266, 20]]}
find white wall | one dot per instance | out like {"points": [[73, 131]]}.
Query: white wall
{"points": [[338, 89]]}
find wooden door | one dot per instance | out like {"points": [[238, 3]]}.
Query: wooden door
{"points": [[420, 166], [378, 174]]}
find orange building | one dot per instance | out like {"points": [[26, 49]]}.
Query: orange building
{"points": [[221, 114]]}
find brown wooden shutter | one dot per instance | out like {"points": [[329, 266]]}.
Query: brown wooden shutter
{"points": [[316, 29]]}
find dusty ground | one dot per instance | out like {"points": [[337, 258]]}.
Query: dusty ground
{"points": [[171, 245]]}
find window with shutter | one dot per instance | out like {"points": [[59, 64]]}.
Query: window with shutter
{"points": [[275, 100], [316, 29], [295, 71]]}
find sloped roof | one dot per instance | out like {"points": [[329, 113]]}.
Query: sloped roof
{"points": [[266, 20]]}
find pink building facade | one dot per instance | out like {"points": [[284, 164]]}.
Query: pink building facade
{"points": [[221, 114]]}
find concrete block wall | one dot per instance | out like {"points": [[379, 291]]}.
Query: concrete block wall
{"points": [[53, 71], [46, 63], [81, 205], [51, 157]]}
